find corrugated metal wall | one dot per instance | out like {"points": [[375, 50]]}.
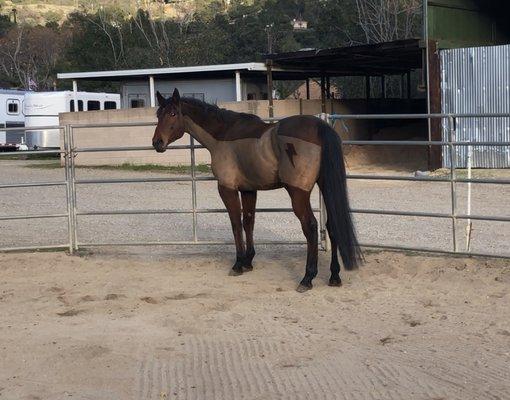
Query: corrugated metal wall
{"points": [[477, 80]]}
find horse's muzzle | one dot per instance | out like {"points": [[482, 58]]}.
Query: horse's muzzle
{"points": [[159, 145]]}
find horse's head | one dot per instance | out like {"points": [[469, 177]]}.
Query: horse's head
{"points": [[170, 122]]}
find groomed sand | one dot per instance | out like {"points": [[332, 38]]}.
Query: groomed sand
{"points": [[170, 325]]}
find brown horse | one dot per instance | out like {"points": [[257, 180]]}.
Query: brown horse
{"points": [[248, 154]]}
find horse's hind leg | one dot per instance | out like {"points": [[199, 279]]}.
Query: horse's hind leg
{"points": [[303, 210], [231, 199], [334, 280], [249, 200]]}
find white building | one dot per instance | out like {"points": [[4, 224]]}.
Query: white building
{"points": [[211, 83]]}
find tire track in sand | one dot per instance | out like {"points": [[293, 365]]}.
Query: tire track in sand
{"points": [[236, 367]]}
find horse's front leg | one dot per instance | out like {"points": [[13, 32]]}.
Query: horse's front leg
{"points": [[231, 200], [249, 200]]}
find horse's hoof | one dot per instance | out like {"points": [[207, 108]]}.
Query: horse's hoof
{"points": [[303, 288], [248, 268], [235, 272], [335, 282]]}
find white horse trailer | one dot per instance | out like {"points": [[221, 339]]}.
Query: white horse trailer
{"points": [[11, 116], [43, 108]]}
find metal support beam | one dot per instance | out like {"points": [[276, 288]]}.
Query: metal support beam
{"points": [[152, 92], [75, 95], [239, 93], [434, 101]]}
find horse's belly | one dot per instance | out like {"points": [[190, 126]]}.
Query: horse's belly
{"points": [[247, 164]]}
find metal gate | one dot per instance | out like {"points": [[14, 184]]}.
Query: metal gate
{"points": [[69, 151], [194, 211]]}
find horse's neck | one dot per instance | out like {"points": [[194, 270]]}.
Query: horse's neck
{"points": [[199, 133], [195, 129]]}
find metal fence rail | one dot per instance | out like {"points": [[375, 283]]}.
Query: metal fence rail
{"points": [[70, 151], [66, 183], [194, 211], [451, 145]]}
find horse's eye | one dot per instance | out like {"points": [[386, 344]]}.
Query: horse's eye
{"points": [[172, 114]]}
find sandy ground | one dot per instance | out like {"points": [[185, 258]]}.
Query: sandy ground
{"points": [[172, 324]]}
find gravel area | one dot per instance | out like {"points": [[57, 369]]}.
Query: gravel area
{"points": [[491, 237]]}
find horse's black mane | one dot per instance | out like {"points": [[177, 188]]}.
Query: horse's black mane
{"points": [[226, 116]]}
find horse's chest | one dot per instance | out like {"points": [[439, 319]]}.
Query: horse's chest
{"points": [[246, 164]]}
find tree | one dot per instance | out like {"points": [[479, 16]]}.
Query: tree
{"points": [[387, 20], [29, 56]]}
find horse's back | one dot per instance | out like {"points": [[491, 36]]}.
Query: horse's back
{"points": [[299, 145]]}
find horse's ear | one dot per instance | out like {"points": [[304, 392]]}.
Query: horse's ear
{"points": [[161, 99], [176, 97]]}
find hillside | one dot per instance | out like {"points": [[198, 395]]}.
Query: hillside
{"points": [[39, 12]]}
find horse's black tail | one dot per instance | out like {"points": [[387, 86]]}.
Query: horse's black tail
{"points": [[334, 191]]}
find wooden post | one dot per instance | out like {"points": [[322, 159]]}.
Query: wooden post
{"points": [[434, 94], [308, 88], [367, 87], [323, 92], [383, 86], [328, 88], [409, 85], [269, 64]]}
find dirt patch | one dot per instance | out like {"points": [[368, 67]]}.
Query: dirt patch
{"points": [[404, 326], [397, 158], [69, 313]]}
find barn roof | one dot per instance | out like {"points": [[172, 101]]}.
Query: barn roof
{"points": [[387, 58], [192, 72]]}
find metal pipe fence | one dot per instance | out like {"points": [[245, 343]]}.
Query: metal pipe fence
{"points": [[194, 211], [451, 144], [65, 183], [69, 151]]}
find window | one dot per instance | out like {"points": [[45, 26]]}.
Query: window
{"points": [[199, 96], [93, 105], [12, 106], [80, 105], [110, 105], [137, 103]]}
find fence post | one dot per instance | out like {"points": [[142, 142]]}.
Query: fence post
{"points": [[72, 156], [324, 237], [193, 188], [68, 190], [453, 164]]}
